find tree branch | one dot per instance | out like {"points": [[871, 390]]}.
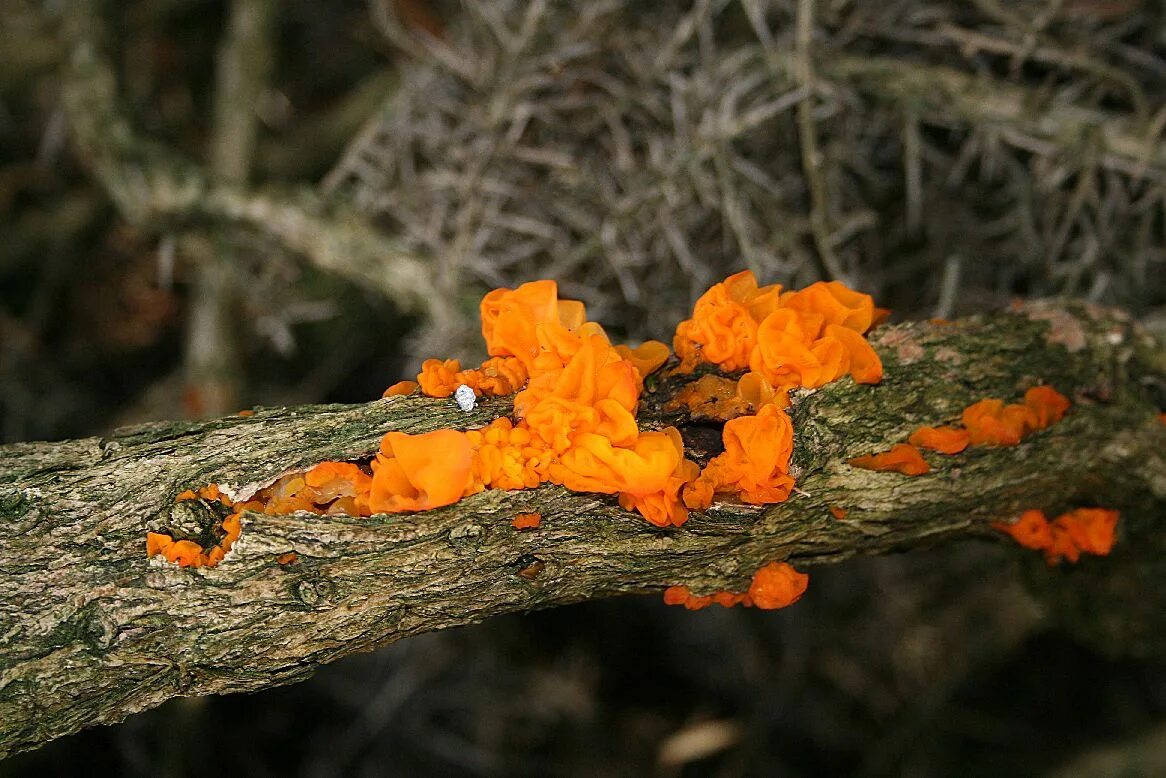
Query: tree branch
{"points": [[91, 631], [155, 188]]}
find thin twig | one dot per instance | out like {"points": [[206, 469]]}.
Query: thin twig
{"points": [[812, 161]]}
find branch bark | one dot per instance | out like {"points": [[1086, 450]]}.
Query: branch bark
{"points": [[91, 631]]}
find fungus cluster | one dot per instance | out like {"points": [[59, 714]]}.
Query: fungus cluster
{"points": [[188, 553], [988, 422], [1077, 532], [782, 339], [575, 397], [776, 585]]}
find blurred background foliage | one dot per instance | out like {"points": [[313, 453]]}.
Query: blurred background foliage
{"points": [[208, 205]]}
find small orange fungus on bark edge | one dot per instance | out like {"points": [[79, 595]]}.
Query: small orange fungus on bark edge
{"points": [[527, 521], [775, 585], [901, 458]]}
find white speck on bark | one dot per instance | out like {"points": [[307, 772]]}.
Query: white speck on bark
{"points": [[465, 398]]}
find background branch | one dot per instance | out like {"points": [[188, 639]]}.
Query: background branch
{"points": [[154, 188]]}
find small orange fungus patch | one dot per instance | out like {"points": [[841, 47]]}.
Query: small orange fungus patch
{"points": [[838, 513], [1031, 530], [775, 585], [945, 440], [420, 472], [527, 521], [991, 422], [1079, 531], [901, 458], [401, 388], [188, 553], [287, 558], [246, 412]]}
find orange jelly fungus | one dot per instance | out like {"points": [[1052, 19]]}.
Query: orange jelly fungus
{"points": [[945, 440], [992, 423], [776, 585], [188, 553], [838, 513], [575, 399], [902, 458], [1080, 531], [527, 521], [401, 388]]}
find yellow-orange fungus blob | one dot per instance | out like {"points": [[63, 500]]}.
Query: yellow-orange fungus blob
{"points": [[439, 378], [419, 472], [526, 521], [1031, 530], [1045, 406], [500, 375], [401, 388], [835, 303], [777, 585], [806, 338], [754, 464], [945, 440], [753, 389], [838, 513], [723, 327], [511, 318], [865, 365], [992, 423], [157, 543], [1079, 531], [342, 486], [187, 553], [287, 558], [901, 458], [1092, 530], [647, 357]]}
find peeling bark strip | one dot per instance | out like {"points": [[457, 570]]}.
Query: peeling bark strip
{"points": [[91, 631]]}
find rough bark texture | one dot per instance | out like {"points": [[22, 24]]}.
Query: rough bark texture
{"points": [[91, 631]]}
